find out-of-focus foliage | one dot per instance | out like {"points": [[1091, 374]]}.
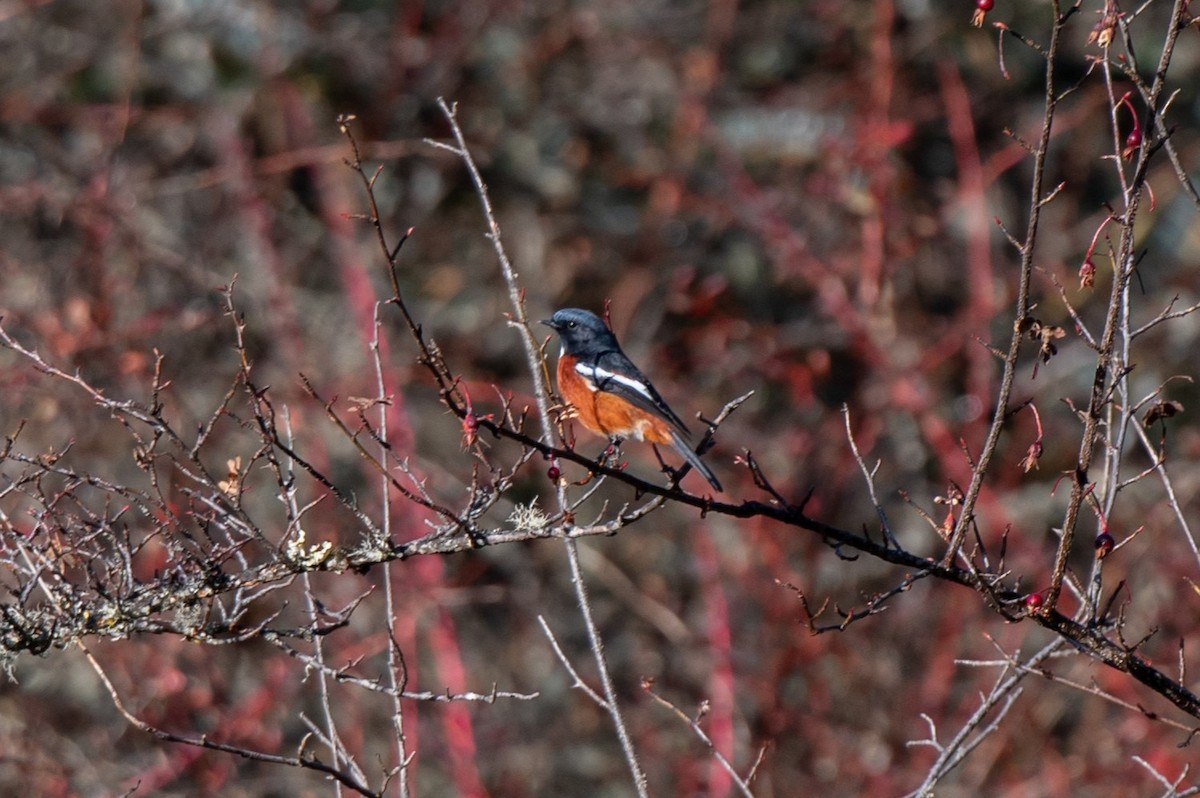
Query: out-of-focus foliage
{"points": [[791, 197]]}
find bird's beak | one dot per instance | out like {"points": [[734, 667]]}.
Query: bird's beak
{"points": [[549, 323]]}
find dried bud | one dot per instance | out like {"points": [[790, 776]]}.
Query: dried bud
{"points": [[981, 9], [1104, 30], [1049, 333], [947, 527], [1087, 274], [1032, 456], [1160, 411], [232, 483], [1104, 545]]}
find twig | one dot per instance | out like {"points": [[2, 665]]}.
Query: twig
{"points": [[742, 785], [869, 476], [397, 671], [566, 663], [302, 760], [1036, 191], [533, 356]]}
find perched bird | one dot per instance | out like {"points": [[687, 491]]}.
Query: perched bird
{"points": [[609, 395]]}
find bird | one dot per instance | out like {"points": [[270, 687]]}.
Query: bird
{"points": [[609, 394]]}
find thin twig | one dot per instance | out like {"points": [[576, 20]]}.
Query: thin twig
{"points": [[739, 783], [537, 371]]}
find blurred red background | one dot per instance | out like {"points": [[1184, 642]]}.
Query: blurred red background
{"points": [[795, 198]]}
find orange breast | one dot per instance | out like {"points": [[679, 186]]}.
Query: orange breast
{"points": [[603, 412]]}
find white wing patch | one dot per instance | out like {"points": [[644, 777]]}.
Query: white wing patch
{"points": [[595, 374]]}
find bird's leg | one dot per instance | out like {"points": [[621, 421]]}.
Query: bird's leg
{"points": [[611, 456]]}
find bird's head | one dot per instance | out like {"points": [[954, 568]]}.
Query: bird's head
{"points": [[581, 330]]}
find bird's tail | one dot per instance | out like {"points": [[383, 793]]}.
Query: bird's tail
{"points": [[694, 460]]}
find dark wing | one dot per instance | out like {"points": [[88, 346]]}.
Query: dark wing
{"points": [[611, 371]]}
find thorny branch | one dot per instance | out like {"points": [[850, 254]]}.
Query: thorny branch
{"points": [[66, 587]]}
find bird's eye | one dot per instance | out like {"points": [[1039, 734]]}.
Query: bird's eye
{"points": [[571, 324]]}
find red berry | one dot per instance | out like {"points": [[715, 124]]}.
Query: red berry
{"points": [[554, 473], [1133, 143], [1104, 545], [984, 5], [1033, 602]]}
